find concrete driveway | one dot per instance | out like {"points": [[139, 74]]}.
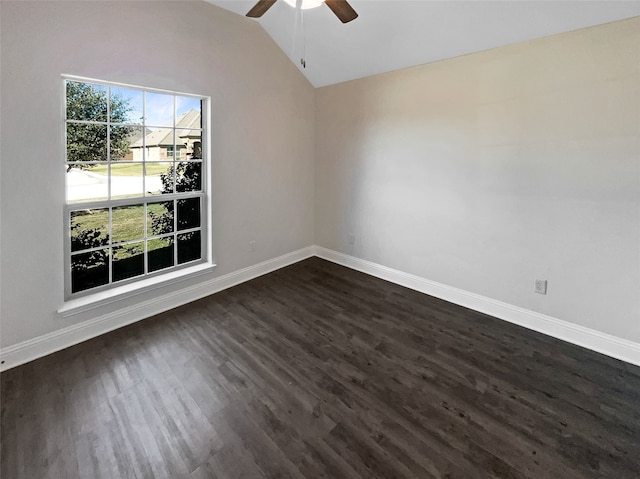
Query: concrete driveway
{"points": [[86, 185]]}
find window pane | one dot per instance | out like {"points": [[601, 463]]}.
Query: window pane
{"points": [[128, 261], [159, 178], [190, 110], [127, 223], [159, 218], [126, 179], [188, 213], [189, 247], [125, 143], [126, 105], [159, 144], [89, 270], [86, 102], [188, 176], [160, 253], [89, 229], [86, 182], [159, 109], [128, 145], [86, 142]]}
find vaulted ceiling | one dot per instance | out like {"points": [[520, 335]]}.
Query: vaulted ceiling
{"points": [[393, 34]]}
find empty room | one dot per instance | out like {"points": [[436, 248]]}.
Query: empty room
{"points": [[320, 239]]}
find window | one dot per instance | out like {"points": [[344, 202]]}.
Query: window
{"points": [[136, 203], [179, 154]]}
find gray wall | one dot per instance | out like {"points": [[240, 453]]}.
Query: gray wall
{"points": [[488, 171], [262, 146], [483, 172]]}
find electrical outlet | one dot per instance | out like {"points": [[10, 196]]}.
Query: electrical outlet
{"points": [[352, 239], [541, 286], [252, 246]]}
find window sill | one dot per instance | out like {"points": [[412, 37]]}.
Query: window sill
{"points": [[97, 300]]}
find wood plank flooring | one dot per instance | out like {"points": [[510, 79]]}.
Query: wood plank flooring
{"points": [[317, 371]]}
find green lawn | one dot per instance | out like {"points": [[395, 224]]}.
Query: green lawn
{"points": [[128, 222], [131, 169]]}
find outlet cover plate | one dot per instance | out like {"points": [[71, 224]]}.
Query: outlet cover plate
{"points": [[541, 286]]}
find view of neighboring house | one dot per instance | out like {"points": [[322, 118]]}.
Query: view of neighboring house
{"points": [[135, 136], [159, 143]]}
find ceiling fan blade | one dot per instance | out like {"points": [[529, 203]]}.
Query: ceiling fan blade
{"points": [[342, 9], [260, 8]]}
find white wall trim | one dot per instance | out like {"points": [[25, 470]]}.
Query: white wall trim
{"points": [[607, 344], [63, 338], [35, 348]]}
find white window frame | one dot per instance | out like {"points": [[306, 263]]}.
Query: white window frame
{"points": [[97, 296]]}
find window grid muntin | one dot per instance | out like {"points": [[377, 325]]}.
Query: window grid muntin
{"points": [[111, 245], [146, 198]]}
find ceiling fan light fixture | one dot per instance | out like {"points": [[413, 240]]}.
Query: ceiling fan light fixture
{"points": [[306, 4], [340, 8]]}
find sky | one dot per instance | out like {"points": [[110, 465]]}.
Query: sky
{"points": [[159, 107]]}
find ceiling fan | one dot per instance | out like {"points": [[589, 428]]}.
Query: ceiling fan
{"points": [[341, 8]]}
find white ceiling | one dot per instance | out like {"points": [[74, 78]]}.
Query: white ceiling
{"points": [[393, 34]]}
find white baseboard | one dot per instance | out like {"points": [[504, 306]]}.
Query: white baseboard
{"points": [[588, 338], [607, 344], [49, 343]]}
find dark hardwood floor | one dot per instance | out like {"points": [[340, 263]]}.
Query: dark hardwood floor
{"points": [[317, 371]]}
